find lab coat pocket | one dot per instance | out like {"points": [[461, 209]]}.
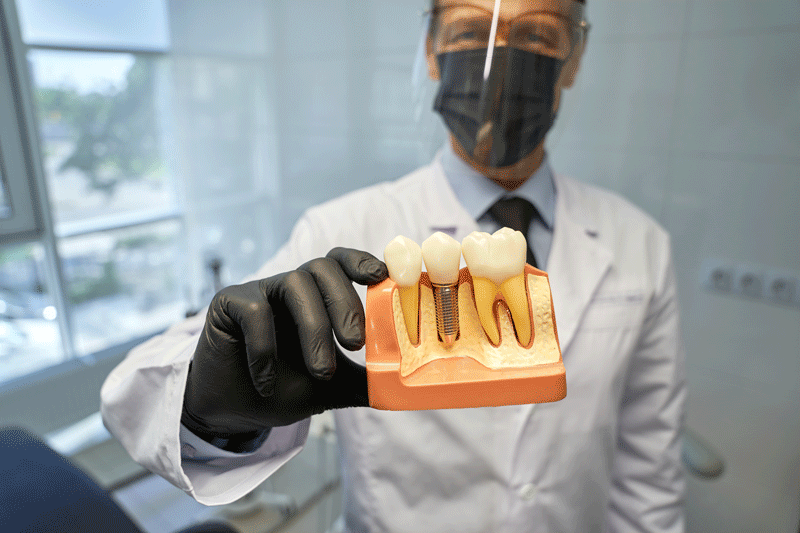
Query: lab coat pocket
{"points": [[614, 310]]}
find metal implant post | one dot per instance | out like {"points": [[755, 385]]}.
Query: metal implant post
{"points": [[445, 299], [442, 255]]}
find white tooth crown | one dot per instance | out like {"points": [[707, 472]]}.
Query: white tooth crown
{"points": [[496, 257], [442, 255], [403, 258], [497, 263], [476, 248]]}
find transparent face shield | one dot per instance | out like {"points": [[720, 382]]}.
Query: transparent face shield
{"points": [[500, 64]]}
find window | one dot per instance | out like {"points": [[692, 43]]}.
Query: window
{"points": [[17, 216], [29, 334], [5, 201], [106, 266], [173, 144], [156, 167]]}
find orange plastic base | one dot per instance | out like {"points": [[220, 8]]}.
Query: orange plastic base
{"points": [[455, 381]]}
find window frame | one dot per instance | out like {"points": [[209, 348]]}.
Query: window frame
{"points": [[16, 152], [44, 230]]}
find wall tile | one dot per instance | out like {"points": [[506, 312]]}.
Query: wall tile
{"points": [[623, 96], [740, 95], [638, 176], [749, 210], [640, 19], [315, 167], [751, 340], [394, 24], [748, 213], [235, 27], [753, 426], [732, 504], [723, 16], [316, 96], [316, 28]]}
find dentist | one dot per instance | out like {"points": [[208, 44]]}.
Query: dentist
{"points": [[219, 402]]}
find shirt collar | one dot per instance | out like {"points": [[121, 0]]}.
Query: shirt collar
{"points": [[477, 193]]}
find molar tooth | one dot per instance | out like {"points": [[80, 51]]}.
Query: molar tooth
{"points": [[442, 256], [403, 258], [514, 247], [497, 262]]}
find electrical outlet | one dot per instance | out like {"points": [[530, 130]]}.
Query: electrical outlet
{"points": [[755, 282], [749, 282], [717, 275], [780, 287]]}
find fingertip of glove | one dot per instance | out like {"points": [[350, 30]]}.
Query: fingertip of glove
{"points": [[324, 375], [375, 269], [266, 386], [354, 343]]}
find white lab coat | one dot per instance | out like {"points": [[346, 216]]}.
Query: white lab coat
{"points": [[606, 458]]}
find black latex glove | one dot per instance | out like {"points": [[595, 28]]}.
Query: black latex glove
{"points": [[266, 356]]}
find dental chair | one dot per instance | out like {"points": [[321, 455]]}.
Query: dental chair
{"points": [[42, 491]]}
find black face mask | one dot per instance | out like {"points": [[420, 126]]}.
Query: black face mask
{"points": [[503, 120]]}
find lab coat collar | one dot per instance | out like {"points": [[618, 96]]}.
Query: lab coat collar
{"points": [[578, 258]]}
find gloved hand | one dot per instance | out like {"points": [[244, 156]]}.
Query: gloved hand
{"points": [[266, 356]]}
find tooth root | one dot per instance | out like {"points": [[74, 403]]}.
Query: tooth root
{"points": [[409, 304], [513, 291], [404, 260], [485, 291]]}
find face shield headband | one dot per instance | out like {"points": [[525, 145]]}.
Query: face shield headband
{"points": [[498, 100]]}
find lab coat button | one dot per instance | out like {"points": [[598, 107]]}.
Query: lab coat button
{"points": [[528, 491]]}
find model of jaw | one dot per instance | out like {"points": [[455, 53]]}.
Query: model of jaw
{"points": [[496, 273], [497, 264], [505, 351]]}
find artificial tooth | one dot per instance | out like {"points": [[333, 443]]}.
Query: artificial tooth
{"points": [[442, 256], [497, 262], [403, 258], [477, 253]]}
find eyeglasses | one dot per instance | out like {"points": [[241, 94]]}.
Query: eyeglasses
{"points": [[468, 27]]}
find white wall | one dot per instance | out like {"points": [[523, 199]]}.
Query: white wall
{"points": [[280, 105], [691, 108]]}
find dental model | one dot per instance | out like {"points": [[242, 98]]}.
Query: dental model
{"points": [[484, 335], [497, 263], [403, 258], [442, 255]]}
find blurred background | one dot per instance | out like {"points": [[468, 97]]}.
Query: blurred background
{"points": [[151, 150]]}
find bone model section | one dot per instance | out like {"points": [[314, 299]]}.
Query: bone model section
{"points": [[497, 263], [403, 258], [442, 256]]}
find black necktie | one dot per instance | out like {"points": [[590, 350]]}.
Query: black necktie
{"points": [[517, 214]]}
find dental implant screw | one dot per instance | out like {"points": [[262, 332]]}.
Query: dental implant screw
{"points": [[445, 299]]}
